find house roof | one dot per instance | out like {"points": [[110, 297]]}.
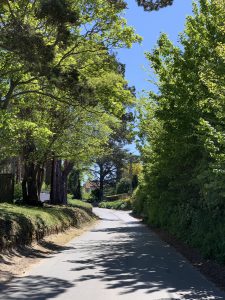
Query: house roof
{"points": [[91, 185]]}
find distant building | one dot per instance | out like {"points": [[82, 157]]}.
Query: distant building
{"points": [[90, 186]]}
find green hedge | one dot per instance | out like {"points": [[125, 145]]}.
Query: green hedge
{"points": [[125, 204], [200, 228]]}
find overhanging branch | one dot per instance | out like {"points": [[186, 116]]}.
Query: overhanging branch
{"points": [[151, 5]]}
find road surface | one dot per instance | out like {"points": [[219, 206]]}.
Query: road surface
{"points": [[118, 259]]}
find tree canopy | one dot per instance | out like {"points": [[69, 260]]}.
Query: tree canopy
{"points": [[152, 5], [61, 84], [182, 130]]}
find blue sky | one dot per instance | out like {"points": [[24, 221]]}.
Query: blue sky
{"points": [[149, 25]]}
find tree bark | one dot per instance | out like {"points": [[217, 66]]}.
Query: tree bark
{"points": [[31, 192], [59, 178], [40, 179], [77, 193], [101, 182], [18, 173], [31, 186], [55, 193], [48, 172]]}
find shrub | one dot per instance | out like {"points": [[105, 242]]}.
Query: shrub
{"points": [[78, 203], [125, 204], [95, 194], [123, 186], [18, 191]]}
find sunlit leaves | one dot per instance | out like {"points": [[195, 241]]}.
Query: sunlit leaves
{"points": [[182, 127]]}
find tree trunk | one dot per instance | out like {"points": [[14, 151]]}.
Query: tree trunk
{"points": [[60, 172], [18, 173], [31, 193], [30, 183], [101, 182], [74, 184], [77, 193], [64, 188], [40, 179], [48, 173], [55, 192], [24, 190]]}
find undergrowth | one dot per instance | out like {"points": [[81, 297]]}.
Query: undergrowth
{"points": [[119, 204]]}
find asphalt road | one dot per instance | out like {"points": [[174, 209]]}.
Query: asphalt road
{"points": [[118, 259]]}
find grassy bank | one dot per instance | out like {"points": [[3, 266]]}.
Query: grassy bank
{"points": [[119, 204], [79, 203], [21, 225]]}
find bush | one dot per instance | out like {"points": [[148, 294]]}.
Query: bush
{"points": [[201, 228], [140, 201], [123, 186], [18, 194], [95, 194], [86, 196], [119, 204], [79, 203], [183, 153], [74, 184], [116, 197], [45, 187], [135, 181]]}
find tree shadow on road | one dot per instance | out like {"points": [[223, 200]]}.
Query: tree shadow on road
{"points": [[34, 288], [134, 259]]}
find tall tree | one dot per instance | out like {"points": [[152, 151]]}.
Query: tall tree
{"points": [[54, 55], [109, 164], [74, 184], [183, 127]]}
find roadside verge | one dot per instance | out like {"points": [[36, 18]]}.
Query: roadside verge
{"points": [[22, 225]]}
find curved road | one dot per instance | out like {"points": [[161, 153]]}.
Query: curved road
{"points": [[119, 258]]}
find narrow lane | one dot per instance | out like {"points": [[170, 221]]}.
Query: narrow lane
{"points": [[118, 259]]}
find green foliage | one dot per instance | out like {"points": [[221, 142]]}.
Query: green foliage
{"points": [[79, 203], [22, 225], [116, 197], [45, 187], [125, 204], [109, 165], [61, 85], [74, 185], [134, 181], [182, 134], [151, 5], [140, 201], [95, 194], [18, 191], [86, 196], [123, 186]]}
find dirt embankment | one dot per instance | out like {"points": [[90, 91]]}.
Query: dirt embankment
{"points": [[16, 262], [28, 234], [21, 225]]}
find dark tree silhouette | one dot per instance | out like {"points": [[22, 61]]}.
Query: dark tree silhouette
{"points": [[150, 5]]}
